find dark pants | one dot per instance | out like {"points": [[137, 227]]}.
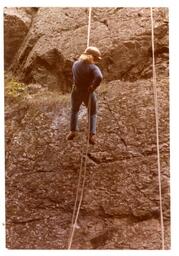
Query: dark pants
{"points": [[77, 98]]}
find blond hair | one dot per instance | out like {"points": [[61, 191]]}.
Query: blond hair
{"points": [[88, 58]]}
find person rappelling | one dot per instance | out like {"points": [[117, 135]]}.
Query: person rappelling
{"points": [[86, 78]]}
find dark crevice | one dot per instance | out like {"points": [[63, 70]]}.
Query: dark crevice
{"points": [[26, 221]]}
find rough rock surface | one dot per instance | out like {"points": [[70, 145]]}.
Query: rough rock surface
{"points": [[121, 201], [120, 208], [17, 22], [58, 35]]}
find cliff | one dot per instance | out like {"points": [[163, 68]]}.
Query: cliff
{"points": [[120, 208]]}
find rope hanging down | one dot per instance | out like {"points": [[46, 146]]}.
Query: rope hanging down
{"points": [[157, 128], [89, 26], [82, 176], [76, 211]]}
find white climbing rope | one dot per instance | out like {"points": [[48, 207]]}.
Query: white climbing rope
{"points": [[89, 26], [76, 211], [157, 129], [82, 174]]}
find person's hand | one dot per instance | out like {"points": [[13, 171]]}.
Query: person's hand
{"points": [[90, 88]]}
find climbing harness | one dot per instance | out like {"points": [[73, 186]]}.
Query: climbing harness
{"points": [[157, 129], [82, 172]]}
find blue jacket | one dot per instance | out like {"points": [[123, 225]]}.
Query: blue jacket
{"points": [[85, 74]]}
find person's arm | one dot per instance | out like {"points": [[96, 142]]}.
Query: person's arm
{"points": [[97, 78]]}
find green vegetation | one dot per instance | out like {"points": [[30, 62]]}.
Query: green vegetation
{"points": [[40, 98], [13, 88]]}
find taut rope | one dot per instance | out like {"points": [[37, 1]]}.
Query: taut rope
{"points": [[157, 129]]}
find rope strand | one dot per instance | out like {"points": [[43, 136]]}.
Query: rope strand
{"points": [[157, 129], [75, 219], [89, 26], [76, 212], [78, 186]]}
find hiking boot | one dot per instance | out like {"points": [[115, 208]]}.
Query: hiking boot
{"points": [[71, 135], [92, 139]]}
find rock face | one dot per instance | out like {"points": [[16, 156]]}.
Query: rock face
{"points": [[17, 22], [120, 208], [58, 35]]}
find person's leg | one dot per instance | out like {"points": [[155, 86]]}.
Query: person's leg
{"points": [[91, 104], [93, 113], [76, 101]]}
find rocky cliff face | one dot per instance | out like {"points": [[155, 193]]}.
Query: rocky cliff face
{"points": [[58, 35], [17, 22], [120, 209]]}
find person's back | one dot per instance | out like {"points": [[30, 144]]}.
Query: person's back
{"points": [[86, 74], [86, 78]]}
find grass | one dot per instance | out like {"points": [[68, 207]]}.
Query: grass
{"points": [[49, 101], [16, 91]]}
